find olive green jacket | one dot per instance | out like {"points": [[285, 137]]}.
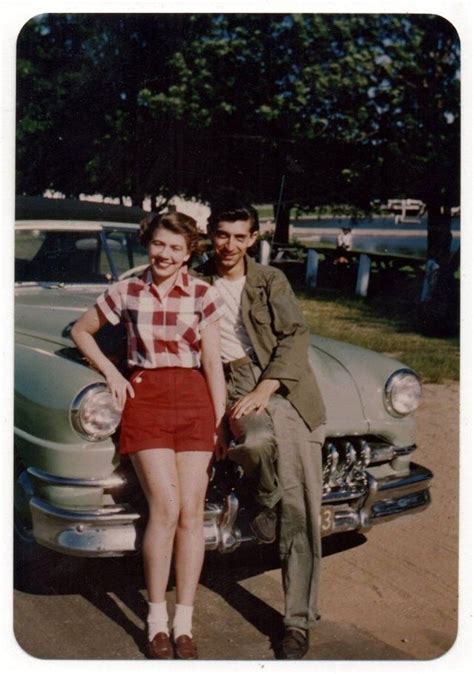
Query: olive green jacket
{"points": [[279, 336]]}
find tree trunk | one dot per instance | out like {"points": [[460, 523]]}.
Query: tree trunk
{"points": [[439, 233], [137, 200], [282, 223], [439, 313]]}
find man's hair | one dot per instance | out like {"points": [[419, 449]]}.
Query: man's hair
{"points": [[232, 213], [175, 222]]}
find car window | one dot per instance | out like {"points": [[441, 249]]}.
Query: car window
{"points": [[27, 243], [59, 256], [125, 250]]}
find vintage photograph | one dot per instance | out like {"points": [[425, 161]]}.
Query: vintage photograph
{"points": [[237, 336]]}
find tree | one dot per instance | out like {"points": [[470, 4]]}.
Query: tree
{"points": [[81, 126], [348, 108]]}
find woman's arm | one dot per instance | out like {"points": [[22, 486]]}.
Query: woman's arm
{"points": [[83, 333], [212, 366]]}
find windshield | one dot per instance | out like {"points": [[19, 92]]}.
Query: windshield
{"points": [[89, 256]]}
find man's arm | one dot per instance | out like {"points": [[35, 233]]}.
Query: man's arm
{"points": [[289, 357]]}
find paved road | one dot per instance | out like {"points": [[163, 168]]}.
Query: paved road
{"points": [[390, 595]]}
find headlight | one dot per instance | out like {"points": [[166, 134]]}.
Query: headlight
{"points": [[402, 392], [93, 413]]}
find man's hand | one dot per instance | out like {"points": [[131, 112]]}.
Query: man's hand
{"points": [[255, 401]]}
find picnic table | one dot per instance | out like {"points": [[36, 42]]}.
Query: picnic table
{"points": [[361, 266]]}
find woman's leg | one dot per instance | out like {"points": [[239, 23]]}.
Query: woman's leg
{"points": [[193, 476], [157, 472]]}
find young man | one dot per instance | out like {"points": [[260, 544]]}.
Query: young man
{"points": [[276, 410]]}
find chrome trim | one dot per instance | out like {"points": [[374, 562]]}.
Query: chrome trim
{"points": [[345, 461], [116, 530], [391, 491], [109, 514], [401, 484], [343, 495], [387, 499], [220, 532], [229, 535], [382, 451], [350, 457], [113, 481], [330, 469], [108, 254]]}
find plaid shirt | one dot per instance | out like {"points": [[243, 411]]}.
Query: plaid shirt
{"points": [[162, 333]]}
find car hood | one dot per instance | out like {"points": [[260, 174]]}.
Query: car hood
{"points": [[351, 378], [48, 312], [353, 381]]}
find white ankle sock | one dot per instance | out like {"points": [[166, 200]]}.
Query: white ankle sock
{"points": [[157, 620], [183, 620]]}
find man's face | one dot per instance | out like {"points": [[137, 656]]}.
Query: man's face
{"points": [[231, 240]]}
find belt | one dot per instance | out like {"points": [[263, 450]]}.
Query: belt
{"points": [[233, 365]]}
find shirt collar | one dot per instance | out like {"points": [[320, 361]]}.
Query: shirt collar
{"points": [[182, 279]]}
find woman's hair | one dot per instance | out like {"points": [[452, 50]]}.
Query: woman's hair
{"points": [[175, 222]]}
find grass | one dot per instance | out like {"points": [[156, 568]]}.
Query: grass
{"points": [[387, 325]]}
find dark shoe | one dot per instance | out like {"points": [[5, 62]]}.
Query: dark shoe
{"points": [[264, 525], [185, 648], [295, 644], [160, 647]]}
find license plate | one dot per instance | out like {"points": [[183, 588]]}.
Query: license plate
{"points": [[327, 521]]}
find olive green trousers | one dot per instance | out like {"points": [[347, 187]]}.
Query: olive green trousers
{"points": [[283, 458]]}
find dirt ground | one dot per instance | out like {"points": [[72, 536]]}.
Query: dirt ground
{"points": [[388, 595]]}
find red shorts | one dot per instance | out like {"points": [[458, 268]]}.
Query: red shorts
{"points": [[172, 409]]}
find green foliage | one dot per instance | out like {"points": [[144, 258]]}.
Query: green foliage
{"points": [[387, 326], [349, 107]]}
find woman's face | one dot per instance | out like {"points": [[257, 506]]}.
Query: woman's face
{"points": [[167, 252]]}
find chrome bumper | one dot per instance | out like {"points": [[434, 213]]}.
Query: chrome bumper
{"points": [[115, 530], [387, 499]]}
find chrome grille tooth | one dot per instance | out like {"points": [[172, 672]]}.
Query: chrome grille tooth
{"points": [[346, 460], [330, 467], [350, 456], [365, 453]]}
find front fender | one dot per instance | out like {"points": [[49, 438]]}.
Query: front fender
{"points": [[45, 385]]}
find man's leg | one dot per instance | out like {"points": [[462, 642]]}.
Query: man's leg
{"points": [[255, 448], [300, 474]]}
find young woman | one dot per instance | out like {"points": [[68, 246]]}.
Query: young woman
{"points": [[173, 405]]}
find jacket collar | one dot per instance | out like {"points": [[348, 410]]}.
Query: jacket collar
{"points": [[251, 270]]}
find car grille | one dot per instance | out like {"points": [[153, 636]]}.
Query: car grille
{"points": [[345, 461]]}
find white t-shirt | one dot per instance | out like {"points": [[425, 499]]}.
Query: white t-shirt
{"points": [[235, 342]]}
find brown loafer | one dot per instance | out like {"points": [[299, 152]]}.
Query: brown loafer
{"points": [[160, 647], [185, 648], [295, 644]]}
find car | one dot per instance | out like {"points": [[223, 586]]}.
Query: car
{"points": [[75, 494]]}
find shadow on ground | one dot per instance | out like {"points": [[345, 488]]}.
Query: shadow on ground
{"points": [[117, 583]]}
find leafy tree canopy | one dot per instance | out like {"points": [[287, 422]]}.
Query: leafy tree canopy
{"points": [[349, 108]]}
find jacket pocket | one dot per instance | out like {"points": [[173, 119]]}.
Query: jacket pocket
{"points": [[261, 314]]}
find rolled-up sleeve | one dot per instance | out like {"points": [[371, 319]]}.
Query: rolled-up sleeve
{"points": [[110, 304], [211, 308]]}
